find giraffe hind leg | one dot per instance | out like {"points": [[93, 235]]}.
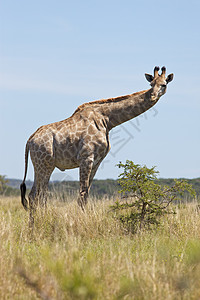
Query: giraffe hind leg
{"points": [[38, 193]]}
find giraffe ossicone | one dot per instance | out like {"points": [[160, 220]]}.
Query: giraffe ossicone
{"points": [[82, 140]]}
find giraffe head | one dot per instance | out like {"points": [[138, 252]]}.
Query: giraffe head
{"points": [[159, 82]]}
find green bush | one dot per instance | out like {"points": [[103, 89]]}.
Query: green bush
{"points": [[144, 201]]}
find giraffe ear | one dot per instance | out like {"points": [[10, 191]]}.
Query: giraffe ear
{"points": [[169, 78], [148, 77]]}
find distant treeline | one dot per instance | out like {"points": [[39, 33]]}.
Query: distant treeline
{"points": [[99, 189]]}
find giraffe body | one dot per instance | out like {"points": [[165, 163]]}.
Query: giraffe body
{"points": [[82, 140], [64, 146]]}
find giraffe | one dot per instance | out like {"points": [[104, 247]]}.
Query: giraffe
{"points": [[82, 140]]}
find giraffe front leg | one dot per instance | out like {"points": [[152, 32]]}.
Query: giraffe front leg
{"points": [[85, 172], [94, 170]]}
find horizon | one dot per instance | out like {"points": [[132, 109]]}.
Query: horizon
{"points": [[65, 180]]}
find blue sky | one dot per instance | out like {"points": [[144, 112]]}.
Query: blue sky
{"points": [[56, 55]]}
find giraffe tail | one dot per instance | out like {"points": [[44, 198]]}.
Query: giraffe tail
{"points": [[23, 185]]}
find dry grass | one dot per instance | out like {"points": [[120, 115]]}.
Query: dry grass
{"points": [[76, 255]]}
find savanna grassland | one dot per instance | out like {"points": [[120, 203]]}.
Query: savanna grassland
{"points": [[77, 255]]}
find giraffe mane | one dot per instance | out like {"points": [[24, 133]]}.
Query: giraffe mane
{"points": [[109, 100]]}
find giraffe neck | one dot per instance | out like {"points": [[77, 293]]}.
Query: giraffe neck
{"points": [[124, 108]]}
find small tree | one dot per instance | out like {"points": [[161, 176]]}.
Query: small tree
{"points": [[143, 201], [3, 184]]}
